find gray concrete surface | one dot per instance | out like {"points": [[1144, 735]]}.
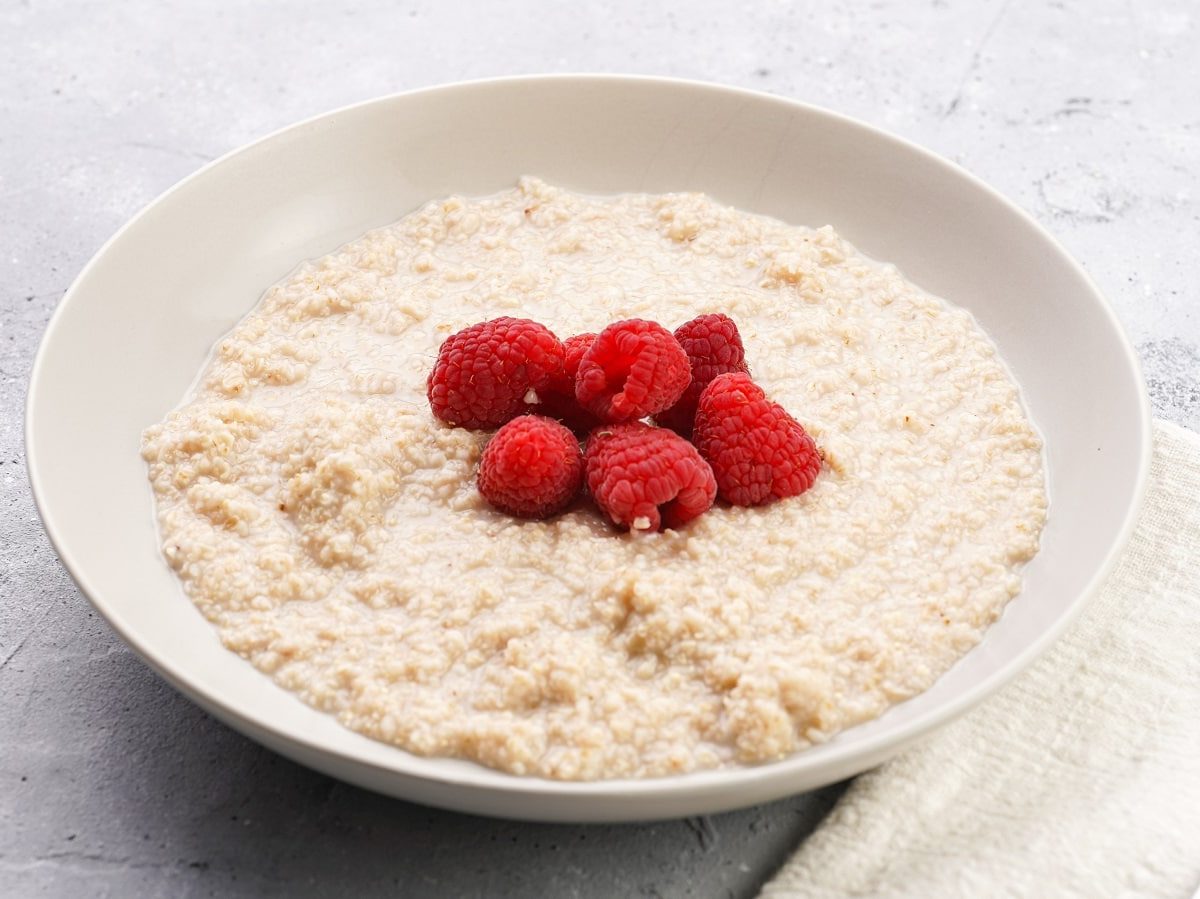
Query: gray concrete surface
{"points": [[1086, 113]]}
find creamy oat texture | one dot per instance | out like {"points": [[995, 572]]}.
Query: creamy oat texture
{"points": [[330, 528]]}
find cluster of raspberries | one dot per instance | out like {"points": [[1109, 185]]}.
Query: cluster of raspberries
{"points": [[714, 432]]}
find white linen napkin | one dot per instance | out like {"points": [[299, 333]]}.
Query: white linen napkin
{"points": [[1082, 778]]}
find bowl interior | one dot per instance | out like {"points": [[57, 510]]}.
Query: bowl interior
{"points": [[135, 328]]}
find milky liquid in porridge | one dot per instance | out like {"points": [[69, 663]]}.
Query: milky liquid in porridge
{"points": [[330, 527]]}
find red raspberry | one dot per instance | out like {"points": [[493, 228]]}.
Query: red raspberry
{"points": [[645, 478], [758, 452], [558, 400], [714, 347], [633, 368], [531, 468], [484, 373]]}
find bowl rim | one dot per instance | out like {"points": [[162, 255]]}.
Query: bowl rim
{"points": [[477, 776]]}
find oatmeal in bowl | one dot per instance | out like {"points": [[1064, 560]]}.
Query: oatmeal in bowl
{"points": [[332, 528]]}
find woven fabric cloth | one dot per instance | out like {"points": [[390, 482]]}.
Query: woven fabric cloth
{"points": [[1082, 778]]}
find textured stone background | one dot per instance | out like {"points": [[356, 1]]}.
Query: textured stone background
{"points": [[1086, 113]]}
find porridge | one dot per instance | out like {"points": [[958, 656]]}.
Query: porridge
{"points": [[331, 530]]}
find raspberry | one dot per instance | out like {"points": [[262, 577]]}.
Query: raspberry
{"points": [[531, 468], [714, 347], [757, 451], [558, 400], [484, 373], [644, 478], [632, 369]]}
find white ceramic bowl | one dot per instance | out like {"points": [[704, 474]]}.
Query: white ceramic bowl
{"points": [[133, 330]]}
